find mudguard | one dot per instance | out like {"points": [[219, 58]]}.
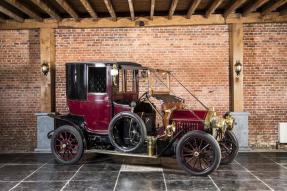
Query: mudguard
{"points": [[67, 120]]}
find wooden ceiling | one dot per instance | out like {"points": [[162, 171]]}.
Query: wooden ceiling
{"points": [[19, 10], [123, 12]]}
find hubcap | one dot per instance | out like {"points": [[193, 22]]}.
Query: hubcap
{"points": [[196, 154]]}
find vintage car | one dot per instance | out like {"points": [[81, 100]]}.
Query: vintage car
{"points": [[107, 115]]}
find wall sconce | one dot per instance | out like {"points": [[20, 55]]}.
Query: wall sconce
{"points": [[238, 68], [45, 68]]}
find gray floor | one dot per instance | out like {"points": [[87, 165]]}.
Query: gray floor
{"points": [[250, 171]]}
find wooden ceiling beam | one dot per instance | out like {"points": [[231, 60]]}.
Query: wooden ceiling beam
{"points": [[213, 7], [172, 8], [2, 20], [192, 8], [158, 21], [47, 9], [68, 9], [283, 12], [253, 7], [273, 7], [233, 7], [152, 4], [11, 14], [89, 8], [131, 6], [24, 9], [111, 10]]}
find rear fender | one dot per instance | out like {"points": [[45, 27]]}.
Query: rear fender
{"points": [[66, 120]]}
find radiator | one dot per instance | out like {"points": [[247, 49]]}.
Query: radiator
{"points": [[282, 131]]}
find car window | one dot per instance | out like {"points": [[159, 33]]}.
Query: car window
{"points": [[76, 86], [97, 80]]}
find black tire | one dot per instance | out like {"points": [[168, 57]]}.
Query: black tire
{"points": [[229, 147], [138, 124], [200, 146], [67, 145]]}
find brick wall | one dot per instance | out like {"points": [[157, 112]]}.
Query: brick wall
{"points": [[198, 55], [265, 81], [19, 89]]}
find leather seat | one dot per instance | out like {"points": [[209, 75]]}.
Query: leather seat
{"points": [[98, 83]]}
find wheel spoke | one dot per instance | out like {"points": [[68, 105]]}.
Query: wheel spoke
{"points": [[195, 162], [200, 144], [207, 164], [190, 145], [189, 159], [200, 164], [65, 133], [227, 149], [61, 136], [187, 150], [204, 147], [185, 155]]}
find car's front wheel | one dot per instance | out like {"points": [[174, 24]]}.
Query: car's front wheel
{"points": [[67, 145], [198, 153], [229, 147]]}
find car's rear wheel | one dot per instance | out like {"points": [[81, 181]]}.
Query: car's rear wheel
{"points": [[229, 147], [198, 153], [67, 145]]}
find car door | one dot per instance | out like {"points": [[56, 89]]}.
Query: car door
{"points": [[98, 105]]}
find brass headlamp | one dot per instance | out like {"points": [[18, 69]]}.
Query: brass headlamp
{"points": [[229, 120], [216, 122], [220, 123]]}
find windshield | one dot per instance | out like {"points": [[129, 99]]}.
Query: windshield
{"points": [[159, 82]]}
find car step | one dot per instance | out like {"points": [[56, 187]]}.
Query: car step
{"points": [[109, 152]]}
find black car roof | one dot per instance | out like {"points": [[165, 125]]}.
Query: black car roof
{"points": [[108, 63], [121, 64]]}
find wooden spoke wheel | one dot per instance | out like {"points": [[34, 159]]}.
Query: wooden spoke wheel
{"points": [[229, 147], [67, 145], [198, 153], [127, 132]]}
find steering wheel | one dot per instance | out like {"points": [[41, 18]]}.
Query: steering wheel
{"points": [[144, 96]]}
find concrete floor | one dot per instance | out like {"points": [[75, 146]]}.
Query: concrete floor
{"points": [[250, 171]]}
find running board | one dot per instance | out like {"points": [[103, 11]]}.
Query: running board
{"points": [[109, 152]]}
